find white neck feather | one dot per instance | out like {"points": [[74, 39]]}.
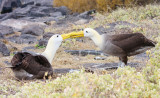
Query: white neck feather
{"points": [[50, 51], [97, 39]]}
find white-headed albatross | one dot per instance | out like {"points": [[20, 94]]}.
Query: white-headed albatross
{"points": [[28, 66], [121, 45]]}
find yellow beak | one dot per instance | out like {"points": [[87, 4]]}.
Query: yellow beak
{"points": [[65, 36], [73, 35], [76, 34]]}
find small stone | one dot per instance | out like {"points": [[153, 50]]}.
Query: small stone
{"points": [[99, 58], [4, 50]]}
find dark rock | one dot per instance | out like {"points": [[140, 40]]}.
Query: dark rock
{"points": [[92, 67], [87, 14], [39, 2], [1, 36], [24, 38], [33, 30], [48, 35], [64, 70], [8, 5], [42, 42], [28, 3], [85, 52], [64, 10], [4, 50], [5, 30], [28, 48]]}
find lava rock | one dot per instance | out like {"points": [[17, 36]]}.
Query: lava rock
{"points": [[24, 38], [33, 30], [8, 5], [1, 36], [4, 50], [48, 35], [42, 42], [20, 24], [5, 30], [64, 10], [56, 14], [85, 52], [87, 14]]}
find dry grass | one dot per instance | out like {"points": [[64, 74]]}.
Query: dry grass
{"points": [[100, 5], [126, 82]]}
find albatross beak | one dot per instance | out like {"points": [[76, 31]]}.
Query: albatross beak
{"points": [[76, 34], [73, 35], [65, 36]]}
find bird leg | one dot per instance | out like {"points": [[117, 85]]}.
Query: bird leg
{"points": [[123, 61]]}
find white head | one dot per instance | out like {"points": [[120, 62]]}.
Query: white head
{"points": [[53, 44], [88, 32], [95, 36]]}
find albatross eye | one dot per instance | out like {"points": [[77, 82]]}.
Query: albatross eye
{"points": [[57, 35], [86, 31]]}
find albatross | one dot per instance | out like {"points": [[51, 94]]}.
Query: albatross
{"points": [[120, 45], [27, 66]]}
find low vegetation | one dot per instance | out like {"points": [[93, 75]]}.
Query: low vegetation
{"points": [[122, 83], [100, 5]]}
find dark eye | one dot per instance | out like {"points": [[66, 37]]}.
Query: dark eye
{"points": [[57, 35], [86, 31]]}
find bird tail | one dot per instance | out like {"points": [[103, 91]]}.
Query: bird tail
{"points": [[151, 43]]}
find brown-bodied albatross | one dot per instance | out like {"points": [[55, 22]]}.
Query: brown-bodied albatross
{"points": [[26, 66], [120, 45]]}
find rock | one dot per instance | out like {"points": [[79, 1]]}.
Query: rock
{"points": [[1, 36], [20, 24], [28, 48], [99, 58], [87, 14], [24, 38], [56, 14], [27, 4], [5, 30], [42, 42], [48, 35], [8, 5], [81, 21], [64, 10], [98, 66], [4, 50], [85, 52], [44, 19], [33, 30]]}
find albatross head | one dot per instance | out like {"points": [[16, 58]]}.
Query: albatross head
{"points": [[88, 32], [53, 44]]}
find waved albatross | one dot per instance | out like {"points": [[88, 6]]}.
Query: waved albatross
{"points": [[121, 45], [27, 66]]}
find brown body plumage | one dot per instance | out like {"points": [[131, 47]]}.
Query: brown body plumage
{"points": [[27, 66], [121, 45]]}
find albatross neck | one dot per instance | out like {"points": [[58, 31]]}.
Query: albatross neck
{"points": [[50, 51], [97, 39]]}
